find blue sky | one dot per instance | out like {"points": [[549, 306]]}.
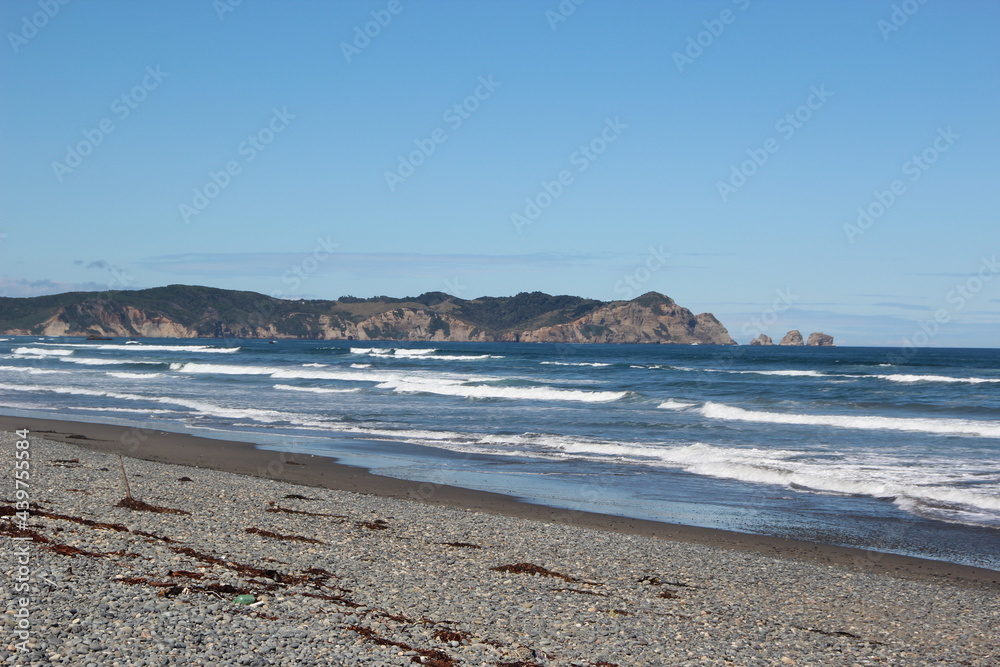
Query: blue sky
{"points": [[813, 165]]}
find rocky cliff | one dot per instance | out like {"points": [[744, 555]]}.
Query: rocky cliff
{"points": [[820, 339], [793, 337], [181, 311], [762, 339], [652, 318]]}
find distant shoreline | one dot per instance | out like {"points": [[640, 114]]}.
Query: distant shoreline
{"points": [[246, 459]]}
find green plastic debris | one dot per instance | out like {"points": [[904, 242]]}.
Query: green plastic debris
{"points": [[244, 599]]}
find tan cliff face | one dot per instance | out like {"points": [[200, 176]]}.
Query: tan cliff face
{"points": [[651, 318], [664, 322]]}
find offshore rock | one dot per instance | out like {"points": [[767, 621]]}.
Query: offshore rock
{"points": [[793, 337], [819, 339], [762, 339]]}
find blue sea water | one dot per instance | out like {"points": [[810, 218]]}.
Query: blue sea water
{"points": [[853, 446]]}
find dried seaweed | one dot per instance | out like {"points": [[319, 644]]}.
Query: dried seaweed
{"points": [[339, 599], [279, 536], [141, 506], [286, 510], [377, 524], [449, 635], [529, 568], [460, 545], [432, 657]]}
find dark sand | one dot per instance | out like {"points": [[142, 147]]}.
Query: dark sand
{"points": [[247, 459]]}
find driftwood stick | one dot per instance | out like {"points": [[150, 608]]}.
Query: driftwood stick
{"points": [[128, 491]]}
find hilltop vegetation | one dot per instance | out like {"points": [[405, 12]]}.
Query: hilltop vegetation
{"points": [[194, 311]]}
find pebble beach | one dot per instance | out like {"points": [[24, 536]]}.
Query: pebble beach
{"points": [[339, 577]]}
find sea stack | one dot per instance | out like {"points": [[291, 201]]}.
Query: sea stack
{"points": [[793, 337], [762, 339], [820, 339]]}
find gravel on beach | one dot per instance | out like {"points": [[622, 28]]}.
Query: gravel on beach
{"points": [[342, 578]]}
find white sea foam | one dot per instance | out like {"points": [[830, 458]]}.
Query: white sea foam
{"points": [[595, 364], [902, 377], [673, 404], [788, 373], [41, 352], [452, 388], [315, 365], [202, 408], [133, 376], [361, 365], [316, 390], [419, 353], [140, 411], [298, 373], [87, 361], [30, 370], [208, 349], [985, 429]]}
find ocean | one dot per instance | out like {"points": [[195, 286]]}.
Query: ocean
{"points": [[884, 449]]}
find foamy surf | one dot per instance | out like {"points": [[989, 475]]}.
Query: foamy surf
{"points": [[902, 377], [941, 426], [482, 391], [315, 390], [41, 352]]}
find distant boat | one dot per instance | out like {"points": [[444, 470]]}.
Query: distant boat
{"points": [[273, 342]]}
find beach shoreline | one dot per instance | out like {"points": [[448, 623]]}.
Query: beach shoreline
{"points": [[244, 458], [197, 565]]}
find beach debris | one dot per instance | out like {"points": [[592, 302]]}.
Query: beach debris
{"points": [[65, 463], [278, 508], [296, 496], [377, 524], [460, 545], [244, 599], [432, 657], [121, 466], [530, 568], [449, 635], [279, 536], [142, 506], [184, 479]]}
